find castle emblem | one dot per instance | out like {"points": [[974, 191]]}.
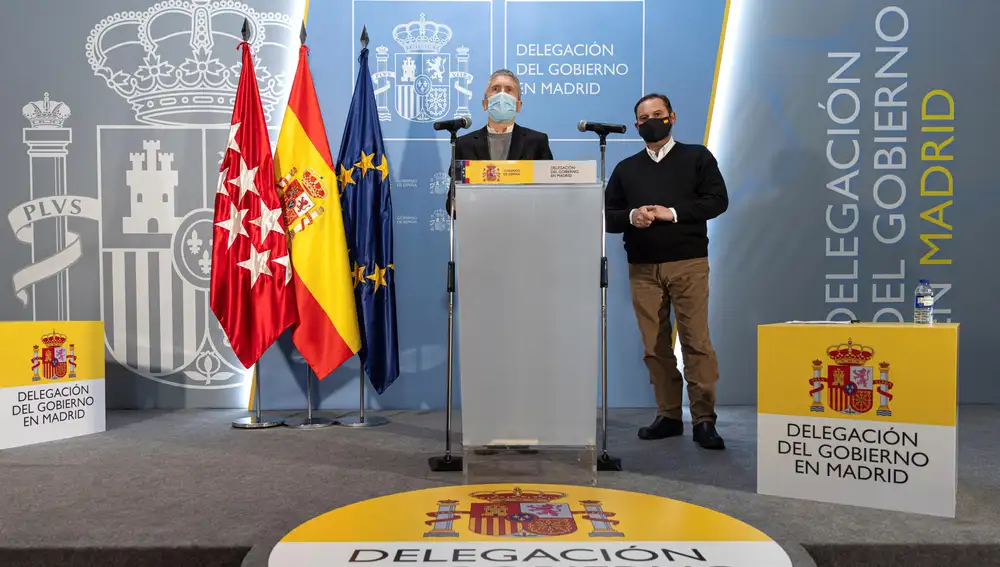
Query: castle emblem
{"points": [[520, 513], [422, 73], [55, 360], [300, 197], [851, 381], [152, 182]]}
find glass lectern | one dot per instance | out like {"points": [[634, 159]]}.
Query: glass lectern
{"points": [[528, 283]]}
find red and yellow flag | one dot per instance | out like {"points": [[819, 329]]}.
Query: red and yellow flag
{"points": [[327, 332]]}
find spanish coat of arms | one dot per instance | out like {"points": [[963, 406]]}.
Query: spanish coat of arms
{"points": [[55, 360], [850, 381], [521, 513]]}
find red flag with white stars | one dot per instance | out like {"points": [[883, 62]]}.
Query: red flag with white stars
{"points": [[251, 291]]}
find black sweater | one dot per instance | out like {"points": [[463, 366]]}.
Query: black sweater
{"points": [[686, 179]]}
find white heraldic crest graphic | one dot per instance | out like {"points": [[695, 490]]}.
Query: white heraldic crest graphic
{"points": [[423, 74], [156, 183]]}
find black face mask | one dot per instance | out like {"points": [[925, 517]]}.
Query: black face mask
{"points": [[655, 129]]}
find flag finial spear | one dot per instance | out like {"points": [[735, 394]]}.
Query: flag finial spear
{"points": [[302, 33], [246, 30], [364, 37]]}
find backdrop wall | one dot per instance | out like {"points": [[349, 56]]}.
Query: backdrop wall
{"points": [[145, 93]]}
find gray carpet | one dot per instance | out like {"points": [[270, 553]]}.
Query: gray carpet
{"points": [[183, 488]]}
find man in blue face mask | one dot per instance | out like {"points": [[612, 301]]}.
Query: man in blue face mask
{"points": [[501, 138]]}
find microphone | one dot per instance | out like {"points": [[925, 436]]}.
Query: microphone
{"points": [[453, 125], [599, 128]]}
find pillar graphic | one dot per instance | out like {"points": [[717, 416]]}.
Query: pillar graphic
{"points": [[603, 525], [444, 520], [461, 75], [884, 385], [381, 82], [36, 361], [817, 385], [47, 141], [71, 361]]}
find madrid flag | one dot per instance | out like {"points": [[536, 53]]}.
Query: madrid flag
{"points": [[251, 291], [327, 330]]}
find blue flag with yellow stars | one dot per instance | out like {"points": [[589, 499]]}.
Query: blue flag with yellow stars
{"points": [[363, 180]]}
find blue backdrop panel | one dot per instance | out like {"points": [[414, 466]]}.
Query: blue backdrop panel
{"points": [[806, 80], [578, 60]]}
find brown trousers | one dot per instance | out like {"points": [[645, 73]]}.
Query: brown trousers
{"points": [[684, 285]]}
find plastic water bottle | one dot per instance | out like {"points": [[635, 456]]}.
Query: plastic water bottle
{"points": [[923, 308]]}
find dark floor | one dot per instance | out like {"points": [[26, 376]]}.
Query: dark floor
{"points": [[183, 488]]}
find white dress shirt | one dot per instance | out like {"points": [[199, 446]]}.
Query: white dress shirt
{"points": [[657, 156], [503, 130]]}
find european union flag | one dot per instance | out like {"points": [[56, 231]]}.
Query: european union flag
{"points": [[363, 180]]}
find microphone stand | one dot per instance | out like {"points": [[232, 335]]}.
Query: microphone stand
{"points": [[448, 462], [605, 462]]}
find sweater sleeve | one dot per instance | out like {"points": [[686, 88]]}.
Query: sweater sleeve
{"points": [[616, 209], [712, 200]]}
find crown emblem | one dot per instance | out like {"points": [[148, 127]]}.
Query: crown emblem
{"points": [[53, 340], [313, 183], [189, 71], [46, 113], [850, 353], [518, 495], [421, 36]]}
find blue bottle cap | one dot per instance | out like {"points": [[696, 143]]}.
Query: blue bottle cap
{"points": [[925, 282]]}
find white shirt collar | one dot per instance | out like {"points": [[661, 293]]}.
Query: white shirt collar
{"points": [[504, 130], [663, 151]]}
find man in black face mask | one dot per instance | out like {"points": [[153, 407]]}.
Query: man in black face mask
{"points": [[661, 199]]}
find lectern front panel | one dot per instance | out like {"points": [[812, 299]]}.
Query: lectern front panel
{"points": [[528, 267]]}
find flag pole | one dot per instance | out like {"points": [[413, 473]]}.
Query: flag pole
{"points": [[309, 421], [256, 421], [362, 420]]}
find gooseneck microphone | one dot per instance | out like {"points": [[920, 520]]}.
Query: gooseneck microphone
{"points": [[454, 124], [600, 128]]}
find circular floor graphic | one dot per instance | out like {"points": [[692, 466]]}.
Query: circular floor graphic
{"points": [[537, 525]]}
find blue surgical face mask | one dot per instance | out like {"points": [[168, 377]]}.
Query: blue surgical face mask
{"points": [[502, 107]]}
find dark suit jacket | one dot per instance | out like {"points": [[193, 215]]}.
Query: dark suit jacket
{"points": [[525, 144]]}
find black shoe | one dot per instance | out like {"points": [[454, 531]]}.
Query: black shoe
{"points": [[661, 428], [706, 436]]}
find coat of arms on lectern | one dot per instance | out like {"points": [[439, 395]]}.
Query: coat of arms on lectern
{"points": [[520, 513], [491, 173], [850, 381]]}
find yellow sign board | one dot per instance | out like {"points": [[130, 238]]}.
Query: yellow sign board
{"points": [[860, 414], [511, 172], [527, 525], [498, 172], [52, 386]]}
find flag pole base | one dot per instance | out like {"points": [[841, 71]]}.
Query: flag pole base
{"points": [[309, 423], [366, 421], [607, 463], [254, 422], [445, 463]]}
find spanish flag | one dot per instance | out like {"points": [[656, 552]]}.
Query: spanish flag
{"points": [[327, 332]]}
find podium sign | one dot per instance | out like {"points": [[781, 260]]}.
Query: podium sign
{"points": [[52, 384], [860, 414], [513, 172]]}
